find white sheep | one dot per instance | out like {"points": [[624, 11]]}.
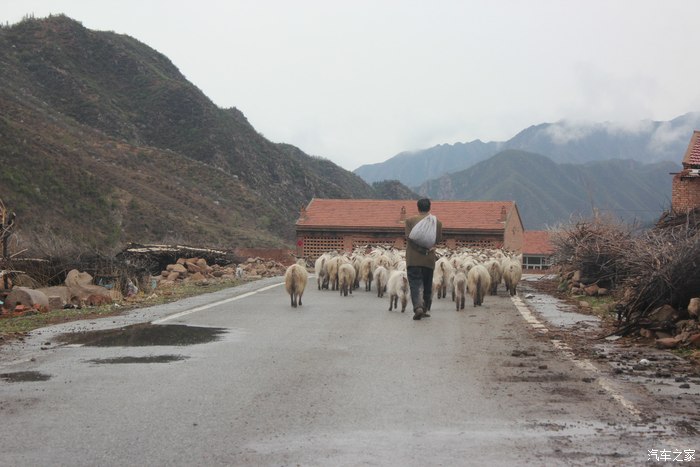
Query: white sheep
{"points": [[441, 276], [366, 270], [397, 288], [512, 273], [332, 266], [459, 289], [321, 270], [496, 272], [295, 278], [478, 283], [346, 278], [381, 276]]}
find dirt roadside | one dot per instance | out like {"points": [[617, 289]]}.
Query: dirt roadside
{"points": [[662, 384]]}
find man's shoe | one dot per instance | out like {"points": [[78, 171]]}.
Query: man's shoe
{"points": [[417, 316], [426, 315]]}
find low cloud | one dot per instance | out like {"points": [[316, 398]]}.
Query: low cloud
{"points": [[669, 134], [566, 131]]}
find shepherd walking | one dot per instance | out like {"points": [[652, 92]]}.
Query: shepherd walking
{"points": [[423, 231]]}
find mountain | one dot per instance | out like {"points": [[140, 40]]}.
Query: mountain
{"points": [[565, 142], [548, 193], [413, 168], [103, 141], [393, 189]]}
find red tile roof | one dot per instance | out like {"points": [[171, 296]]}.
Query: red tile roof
{"points": [[692, 154], [372, 213], [537, 242]]}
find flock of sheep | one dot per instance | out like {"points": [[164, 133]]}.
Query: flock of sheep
{"points": [[461, 272]]}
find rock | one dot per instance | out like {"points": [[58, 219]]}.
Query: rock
{"points": [[591, 290], [60, 292], [602, 292], [694, 341], [197, 276], [77, 278], [584, 304], [179, 268], [646, 333], [667, 343], [663, 314], [30, 298], [97, 300], [576, 277], [694, 307], [173, 276], [56, 302], [81, 287]]}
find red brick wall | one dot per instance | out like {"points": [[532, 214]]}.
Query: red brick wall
{"points": [[685, 193]]}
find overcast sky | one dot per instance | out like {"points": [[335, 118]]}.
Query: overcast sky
{"points": [[359, 81]]}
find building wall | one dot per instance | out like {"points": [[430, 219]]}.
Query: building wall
{"points": [[685, 193], [313, 244], [513, 237]]}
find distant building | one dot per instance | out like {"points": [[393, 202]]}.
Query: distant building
{"points": [[685, 195], [537, 249], [345, 224]]}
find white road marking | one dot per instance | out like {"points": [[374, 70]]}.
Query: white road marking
{"points": [[605, 383], [213, 304]]}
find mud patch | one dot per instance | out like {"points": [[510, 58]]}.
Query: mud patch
{"points": [[538, 378], [146, 334], [24, 376], [147, 359]]}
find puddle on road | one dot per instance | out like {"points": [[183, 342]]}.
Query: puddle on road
{"points": [[146, 334], [557, 312], [24, 376], [148, 359]]}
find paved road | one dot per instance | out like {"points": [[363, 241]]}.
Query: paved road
{"points": [[338, 381]]}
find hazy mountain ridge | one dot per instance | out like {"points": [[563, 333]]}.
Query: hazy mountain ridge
{"points": [[548, 193], [563, 142], [104, 141]]}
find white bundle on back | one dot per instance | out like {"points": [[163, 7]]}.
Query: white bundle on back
{"points": [[424, 232]]}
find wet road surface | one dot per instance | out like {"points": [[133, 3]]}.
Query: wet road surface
{"points": [[338, 381]]}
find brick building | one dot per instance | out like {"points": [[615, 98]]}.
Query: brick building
{"points": [[685, 194], [344, 224], [537, 249]]}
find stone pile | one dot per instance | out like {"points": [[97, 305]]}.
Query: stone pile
{"points": [[575, 284], [665, 326], [78, 291], [255, 268], [197, 270]]}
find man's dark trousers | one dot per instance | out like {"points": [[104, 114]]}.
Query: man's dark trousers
{"points": [[420, 281]]}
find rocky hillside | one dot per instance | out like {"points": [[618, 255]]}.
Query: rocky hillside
{"points": [[103, 141]]}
